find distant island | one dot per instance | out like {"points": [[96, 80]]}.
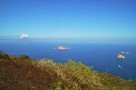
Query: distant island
{"points": [[25, 73], [121, 56], [62, 48]]}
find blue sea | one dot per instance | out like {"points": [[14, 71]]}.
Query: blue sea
{"points": [[100, 55]]}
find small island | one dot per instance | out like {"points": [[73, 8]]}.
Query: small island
{"points": [[62, 48], [121, 56]]}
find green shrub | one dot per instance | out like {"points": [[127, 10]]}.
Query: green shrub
{"points": [[24, 73]]}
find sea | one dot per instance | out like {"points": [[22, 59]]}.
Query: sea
{"points": [[102, 56]]}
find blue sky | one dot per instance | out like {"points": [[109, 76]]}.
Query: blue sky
{"points": [[68, 18]]}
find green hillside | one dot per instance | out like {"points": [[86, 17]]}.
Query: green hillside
{"points": [[24, 73]]}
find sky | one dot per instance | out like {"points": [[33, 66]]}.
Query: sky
{"points": [[68, 18]]}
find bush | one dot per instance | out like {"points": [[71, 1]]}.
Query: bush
{"points": [[24, 57], [24, 73]]}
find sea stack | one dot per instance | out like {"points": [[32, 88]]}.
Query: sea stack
{"points": [[62, 48], [120, 56]]}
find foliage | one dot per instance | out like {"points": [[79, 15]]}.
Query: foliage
{"points": [[24, 73], [24, 57]]}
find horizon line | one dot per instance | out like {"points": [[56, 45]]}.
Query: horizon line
{"points": [[75, 38]]}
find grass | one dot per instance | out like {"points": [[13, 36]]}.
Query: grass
{"points": [[23, 73]]}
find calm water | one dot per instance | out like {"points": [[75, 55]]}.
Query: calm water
{"points": [[102, 56]]}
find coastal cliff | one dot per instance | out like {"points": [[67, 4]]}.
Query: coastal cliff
{"points": [[24, 73]]}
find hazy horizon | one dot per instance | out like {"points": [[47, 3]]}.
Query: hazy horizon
{"points": [[68, 19]]}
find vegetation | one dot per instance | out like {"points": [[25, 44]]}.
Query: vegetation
{"points": [[23, 73]]}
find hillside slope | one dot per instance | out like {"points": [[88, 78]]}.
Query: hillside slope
{"points": [[23, 73]]}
